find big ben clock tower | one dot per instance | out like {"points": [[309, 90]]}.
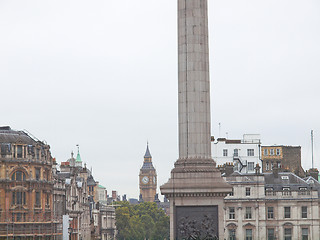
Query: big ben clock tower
{"points": [[148, 178]]}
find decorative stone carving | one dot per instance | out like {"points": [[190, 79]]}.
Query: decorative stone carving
{"points": [[199, 222]]}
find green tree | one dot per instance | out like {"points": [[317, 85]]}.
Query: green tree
{"points": [[122, 222], [161, 231], [143, 221]]}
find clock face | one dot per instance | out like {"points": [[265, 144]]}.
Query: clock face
{"points": [[145, 180]]}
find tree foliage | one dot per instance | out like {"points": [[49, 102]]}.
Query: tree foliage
{"points": [[144, 221]]}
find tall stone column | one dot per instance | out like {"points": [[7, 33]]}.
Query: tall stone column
{"points": [[194, 82], [196, 189]]}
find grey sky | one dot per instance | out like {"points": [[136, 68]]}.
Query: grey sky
{"points": [[103, 74]]}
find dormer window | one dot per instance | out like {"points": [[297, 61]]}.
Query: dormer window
{"points": [[37, 154], [285, 177], [286, 191], [5, 149], [19, 151], [270, 192], [303, 191]]}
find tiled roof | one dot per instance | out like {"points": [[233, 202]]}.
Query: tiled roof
{"points": [[63, 175], [285, 179], [147, 165], [91, 181], [7, 135]]}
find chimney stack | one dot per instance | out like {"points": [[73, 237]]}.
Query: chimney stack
{"points": [[257, 168]]}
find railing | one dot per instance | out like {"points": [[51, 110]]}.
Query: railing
{"points": [[29, 229], [289, 194]]}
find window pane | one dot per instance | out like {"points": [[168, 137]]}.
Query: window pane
{"points": [[232, 193], [225, 152], [13, 198], [304, 212], [19, 197], [305, 234], [270, 212], [236, 153], [18, 176], [38, 198], [250, 166], [37, 173], [248, 213], [287, 212], [287, 234], [37, 154], [231, 213], [232, 234], [248, 234], [250, 152], [271, 151], [247, 191], [19, 151], [270, 233], [18, 217]]}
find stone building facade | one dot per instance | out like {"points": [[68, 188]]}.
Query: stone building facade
{"points": [[77, 205], [107, 222], [26, 187], [89, 217], [269, 206], [283, 157]]}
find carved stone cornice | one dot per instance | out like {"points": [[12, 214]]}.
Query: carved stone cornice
{"points": [[208, 194]]}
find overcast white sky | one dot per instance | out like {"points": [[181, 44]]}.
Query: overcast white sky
{"points": [[103, 74]]}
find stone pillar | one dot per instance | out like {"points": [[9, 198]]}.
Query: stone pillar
{"points": [[196, 189], [194, 83]]}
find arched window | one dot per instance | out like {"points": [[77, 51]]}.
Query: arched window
{"points": [[18, 176], [18, 198]]}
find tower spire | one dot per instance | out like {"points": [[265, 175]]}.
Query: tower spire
{"points": [[78, 159], [147, 154], [78, 155], [148, 178]]}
